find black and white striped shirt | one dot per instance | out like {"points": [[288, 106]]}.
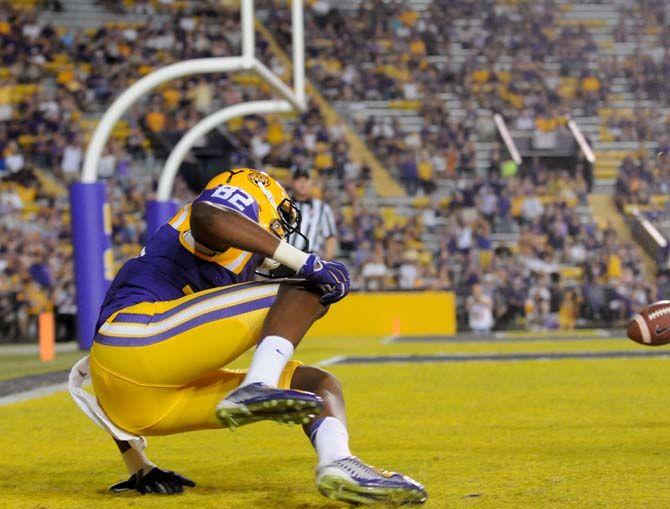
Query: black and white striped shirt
{"points": [[318, 224]]}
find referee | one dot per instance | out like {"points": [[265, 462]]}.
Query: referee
{"points": [[318, 222]]}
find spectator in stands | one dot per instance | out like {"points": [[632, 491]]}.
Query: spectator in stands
{"points": [[72, 157], [14, 161], [408, 272], [480, 310], [425, 172], [531, 208], [569, 310], [410, 174], [374, 271], [155, 120], [538, 306]]}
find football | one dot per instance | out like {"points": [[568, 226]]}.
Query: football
{"points": [[651, 326]]}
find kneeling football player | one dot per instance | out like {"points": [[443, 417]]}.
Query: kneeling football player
{"points": [[188, 306]]}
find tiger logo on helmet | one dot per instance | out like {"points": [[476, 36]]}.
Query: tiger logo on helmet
{"points": [[277, 212]]}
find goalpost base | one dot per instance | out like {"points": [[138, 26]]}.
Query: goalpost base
{"points": [[93, 259]]}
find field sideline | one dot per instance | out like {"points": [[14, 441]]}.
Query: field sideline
{"points": [[563, 433]]}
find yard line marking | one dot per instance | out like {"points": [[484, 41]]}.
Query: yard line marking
{"points": [[559, 333], [40, 392], [332, 360], [499, 339], [539, 356], [30, 382]]}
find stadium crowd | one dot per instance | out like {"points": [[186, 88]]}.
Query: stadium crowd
{"points": [[557, 269], [641, 191], [386, 53], [56, 82]]}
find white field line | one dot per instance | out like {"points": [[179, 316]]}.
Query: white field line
{"points": [[39, 392], [331, 360]]}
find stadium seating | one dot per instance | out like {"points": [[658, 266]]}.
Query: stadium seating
{"points": [[397, 108]]}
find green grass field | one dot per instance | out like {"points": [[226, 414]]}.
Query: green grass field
{"points": [[12, 366], [565, 433]]}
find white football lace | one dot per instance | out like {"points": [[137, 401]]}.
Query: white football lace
{"points": [[656, 314]]}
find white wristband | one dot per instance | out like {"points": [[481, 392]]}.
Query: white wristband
{"points": [[290, 256]]}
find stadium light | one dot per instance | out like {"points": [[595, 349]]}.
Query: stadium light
{"points": [[88, 208], [581, 141], [651, 230], [507, 138]]}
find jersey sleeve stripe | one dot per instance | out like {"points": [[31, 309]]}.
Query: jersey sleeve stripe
{"points": [[181, 217], [226, 259], [238, 263]]}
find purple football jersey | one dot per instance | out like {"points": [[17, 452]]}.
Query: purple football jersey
{"points": [[170, 266]]}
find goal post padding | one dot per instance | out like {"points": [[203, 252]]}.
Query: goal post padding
{"points": [[93, 258], [159, 212]]}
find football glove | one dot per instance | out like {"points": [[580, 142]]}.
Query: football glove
{"points": [[156, 480], [331, 279]]}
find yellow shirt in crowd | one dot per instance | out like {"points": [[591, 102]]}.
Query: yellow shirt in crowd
{"points": [[425, 170], [591, 84], [155, 121], [172, 96], [275, 132], [323, 161], [614, 267]]}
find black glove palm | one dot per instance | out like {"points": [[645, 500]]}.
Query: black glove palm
{"points": [[155, 481]]}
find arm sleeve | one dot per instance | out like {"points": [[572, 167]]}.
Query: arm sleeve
{"points": [[329, 227], [231, 198]]}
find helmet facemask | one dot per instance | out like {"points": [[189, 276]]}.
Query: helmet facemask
{"points": [[290, 219]]}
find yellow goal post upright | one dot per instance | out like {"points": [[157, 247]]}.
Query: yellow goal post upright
{"points": [[90, 217]]}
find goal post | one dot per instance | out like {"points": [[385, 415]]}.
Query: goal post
{"points": [[93, 254], [203, 127], [294, 99], [91, 248]]}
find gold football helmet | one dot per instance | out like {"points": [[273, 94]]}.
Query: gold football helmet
{"points": [[277, 212]]}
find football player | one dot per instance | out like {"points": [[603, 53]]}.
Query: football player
{"points": [[178, 314]]}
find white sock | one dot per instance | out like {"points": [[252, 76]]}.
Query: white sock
{"points": [[269, 360], [331, 441]]}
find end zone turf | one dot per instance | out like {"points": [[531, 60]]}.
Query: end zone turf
{"points": [[569, 433]]}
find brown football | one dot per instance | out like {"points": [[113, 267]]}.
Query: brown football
{"points": [[651, 326]]}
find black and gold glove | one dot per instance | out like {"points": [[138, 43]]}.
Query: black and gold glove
{"points": [[156, 480]]}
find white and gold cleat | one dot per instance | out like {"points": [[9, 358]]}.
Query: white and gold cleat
{"points": [[352, 481], [260, 402]]}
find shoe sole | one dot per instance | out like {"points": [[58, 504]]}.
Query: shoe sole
{"points": [[343, 490], [283, 411]]}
